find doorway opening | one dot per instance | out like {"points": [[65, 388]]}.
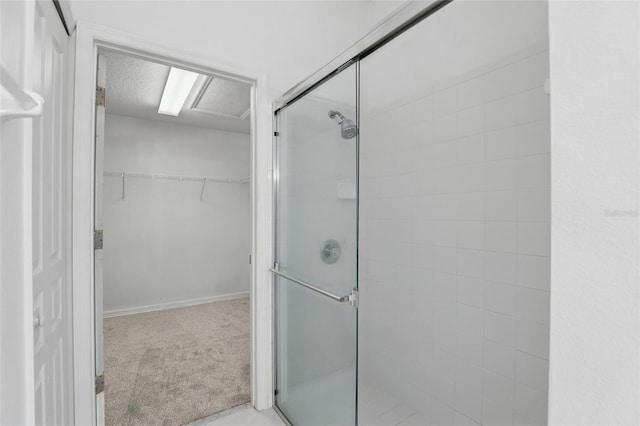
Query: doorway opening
{"points": [[173, 245]]}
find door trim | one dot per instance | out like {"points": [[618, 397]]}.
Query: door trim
{"points": [[90, 37]]}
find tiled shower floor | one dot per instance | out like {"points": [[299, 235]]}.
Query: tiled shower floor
{"points": [[246, 416], [377, 408]]}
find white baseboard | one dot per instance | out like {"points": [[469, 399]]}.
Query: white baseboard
{"points": [[177, 304]]}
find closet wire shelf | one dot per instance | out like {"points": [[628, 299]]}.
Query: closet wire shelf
{"points": [[178, 177], [203, 179]]}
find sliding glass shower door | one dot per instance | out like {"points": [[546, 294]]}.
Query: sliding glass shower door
{"points": [[316, 255]]}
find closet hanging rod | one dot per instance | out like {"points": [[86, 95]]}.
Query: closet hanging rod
{"points": [[243, 180], [29, 104]]}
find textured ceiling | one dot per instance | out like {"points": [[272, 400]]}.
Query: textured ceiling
{"points": [[134, 88]]}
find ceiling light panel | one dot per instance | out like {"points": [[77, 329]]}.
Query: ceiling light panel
{"points": [[224, 97], [178, 86]]}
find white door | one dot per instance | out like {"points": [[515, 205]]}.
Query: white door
{"points": [[98, 224], [50, 222]]}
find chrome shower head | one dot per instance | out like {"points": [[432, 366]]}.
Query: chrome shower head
{"points": [[348, 129]]}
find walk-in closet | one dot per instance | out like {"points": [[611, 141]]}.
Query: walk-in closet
{"points": [[175, 214]]}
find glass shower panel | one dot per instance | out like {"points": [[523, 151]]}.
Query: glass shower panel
{"points": [[316, 254], [454, 220]]}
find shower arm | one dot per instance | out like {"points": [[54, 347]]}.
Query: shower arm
{"points": [[334, 114]]}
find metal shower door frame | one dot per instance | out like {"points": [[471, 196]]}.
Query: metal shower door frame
{"points": [[403, 19], [396, 24], [351, 298]]}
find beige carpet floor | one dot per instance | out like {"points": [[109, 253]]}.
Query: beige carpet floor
{"points": [[178, 365]]}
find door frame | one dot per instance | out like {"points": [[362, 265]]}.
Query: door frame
{"points": [[90, 37]]}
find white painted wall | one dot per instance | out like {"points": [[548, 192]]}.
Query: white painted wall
{"points": [[285, 40], [377, 10], [162, 243], [595, 129]]}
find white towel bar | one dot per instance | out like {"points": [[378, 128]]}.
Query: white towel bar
{"points": [[28, 104]]}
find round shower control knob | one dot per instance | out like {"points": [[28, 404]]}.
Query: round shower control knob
{"points": [[330, 252]]}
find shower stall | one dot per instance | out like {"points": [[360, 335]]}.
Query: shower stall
{"points": [[412, 224]]}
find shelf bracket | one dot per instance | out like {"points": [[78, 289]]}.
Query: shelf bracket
{"points": [[204, 182], [123, 176]]}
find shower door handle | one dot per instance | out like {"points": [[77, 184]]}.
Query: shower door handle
{"points": [[351, 298]]}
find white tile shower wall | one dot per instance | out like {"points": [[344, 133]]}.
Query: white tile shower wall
{"points": [[455, 244]]}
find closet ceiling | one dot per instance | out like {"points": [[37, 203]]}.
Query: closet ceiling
{"points": [[134, 88]]}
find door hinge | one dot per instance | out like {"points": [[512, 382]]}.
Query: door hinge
{"points": [[100, 95], [99, 384], [98, 239], [275, 392], [249, 259], [276, 134], [354, 298]]}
